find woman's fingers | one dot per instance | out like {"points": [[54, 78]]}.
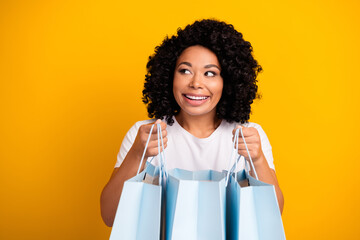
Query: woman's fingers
{"points": [[155, 151], [147, 127], [153, 147], [154, 143], [154, 136], [248, 140], [162, 125], [247, 131], [145, 130], [150, 130], [252, 140], [250, 134]]}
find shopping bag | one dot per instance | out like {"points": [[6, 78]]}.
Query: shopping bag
{"points": [[139, 210], [195, 205], [252, 209], [138, 215]]}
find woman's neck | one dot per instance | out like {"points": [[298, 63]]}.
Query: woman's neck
{"points": [[199, 126]]}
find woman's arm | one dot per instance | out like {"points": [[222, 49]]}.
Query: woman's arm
{"points": [[268, 175], [264, 172], [111, 193]]}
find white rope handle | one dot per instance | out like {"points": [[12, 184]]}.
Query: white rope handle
{"points": [[235, 147], [162, 154], [234, 167], [159, 154], [146, 145], [251, 161], [162, 168]]}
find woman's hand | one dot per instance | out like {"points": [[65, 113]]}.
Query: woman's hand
{"points": [[253, 142], [142, 136]]}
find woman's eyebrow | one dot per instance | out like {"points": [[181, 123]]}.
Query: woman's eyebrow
{"points": [[206, 66], [211, 65], [185, 63]]}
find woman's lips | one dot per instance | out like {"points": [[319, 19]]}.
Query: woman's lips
{"points": [[195, 100]]}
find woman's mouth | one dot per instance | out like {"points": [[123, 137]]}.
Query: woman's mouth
{"points": [[195, 100]]}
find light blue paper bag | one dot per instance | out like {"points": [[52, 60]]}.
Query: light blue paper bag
{"points": [[195, 205], [139, 210], [138, 216], [252, 209]]}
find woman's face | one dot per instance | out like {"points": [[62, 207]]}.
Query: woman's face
{"points": [[197, 84]]}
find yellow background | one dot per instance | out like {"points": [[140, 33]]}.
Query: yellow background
{"points": [[71, 76]]}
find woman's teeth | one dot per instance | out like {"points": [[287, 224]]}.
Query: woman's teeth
{"points": [[195, 97]]}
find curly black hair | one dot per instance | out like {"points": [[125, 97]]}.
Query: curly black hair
{"points": [[239, 70]]}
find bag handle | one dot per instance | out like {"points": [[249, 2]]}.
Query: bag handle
{"points": [[247, 150], [160, 154], [236, 148], [146, 145]]}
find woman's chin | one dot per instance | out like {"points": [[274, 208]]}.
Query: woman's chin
{"points": [[198, 112]]}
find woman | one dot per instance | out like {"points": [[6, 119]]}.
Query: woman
{"points": [[201, 83]]}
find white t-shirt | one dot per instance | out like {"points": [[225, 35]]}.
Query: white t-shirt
{"points": [[188, 152]]}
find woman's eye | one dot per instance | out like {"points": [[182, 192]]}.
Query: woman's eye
{"points": [[184, 71], [210, 74]]}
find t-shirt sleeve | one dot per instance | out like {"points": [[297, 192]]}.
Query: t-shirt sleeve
{"points": [[265, 146], [126, 144]]}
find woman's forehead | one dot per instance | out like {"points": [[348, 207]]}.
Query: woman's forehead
{"points": [[197, 55]]}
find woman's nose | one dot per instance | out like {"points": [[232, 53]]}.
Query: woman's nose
{"points": [[196, 81]]}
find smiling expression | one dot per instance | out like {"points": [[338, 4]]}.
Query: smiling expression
{"points": [[197, 83]]}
